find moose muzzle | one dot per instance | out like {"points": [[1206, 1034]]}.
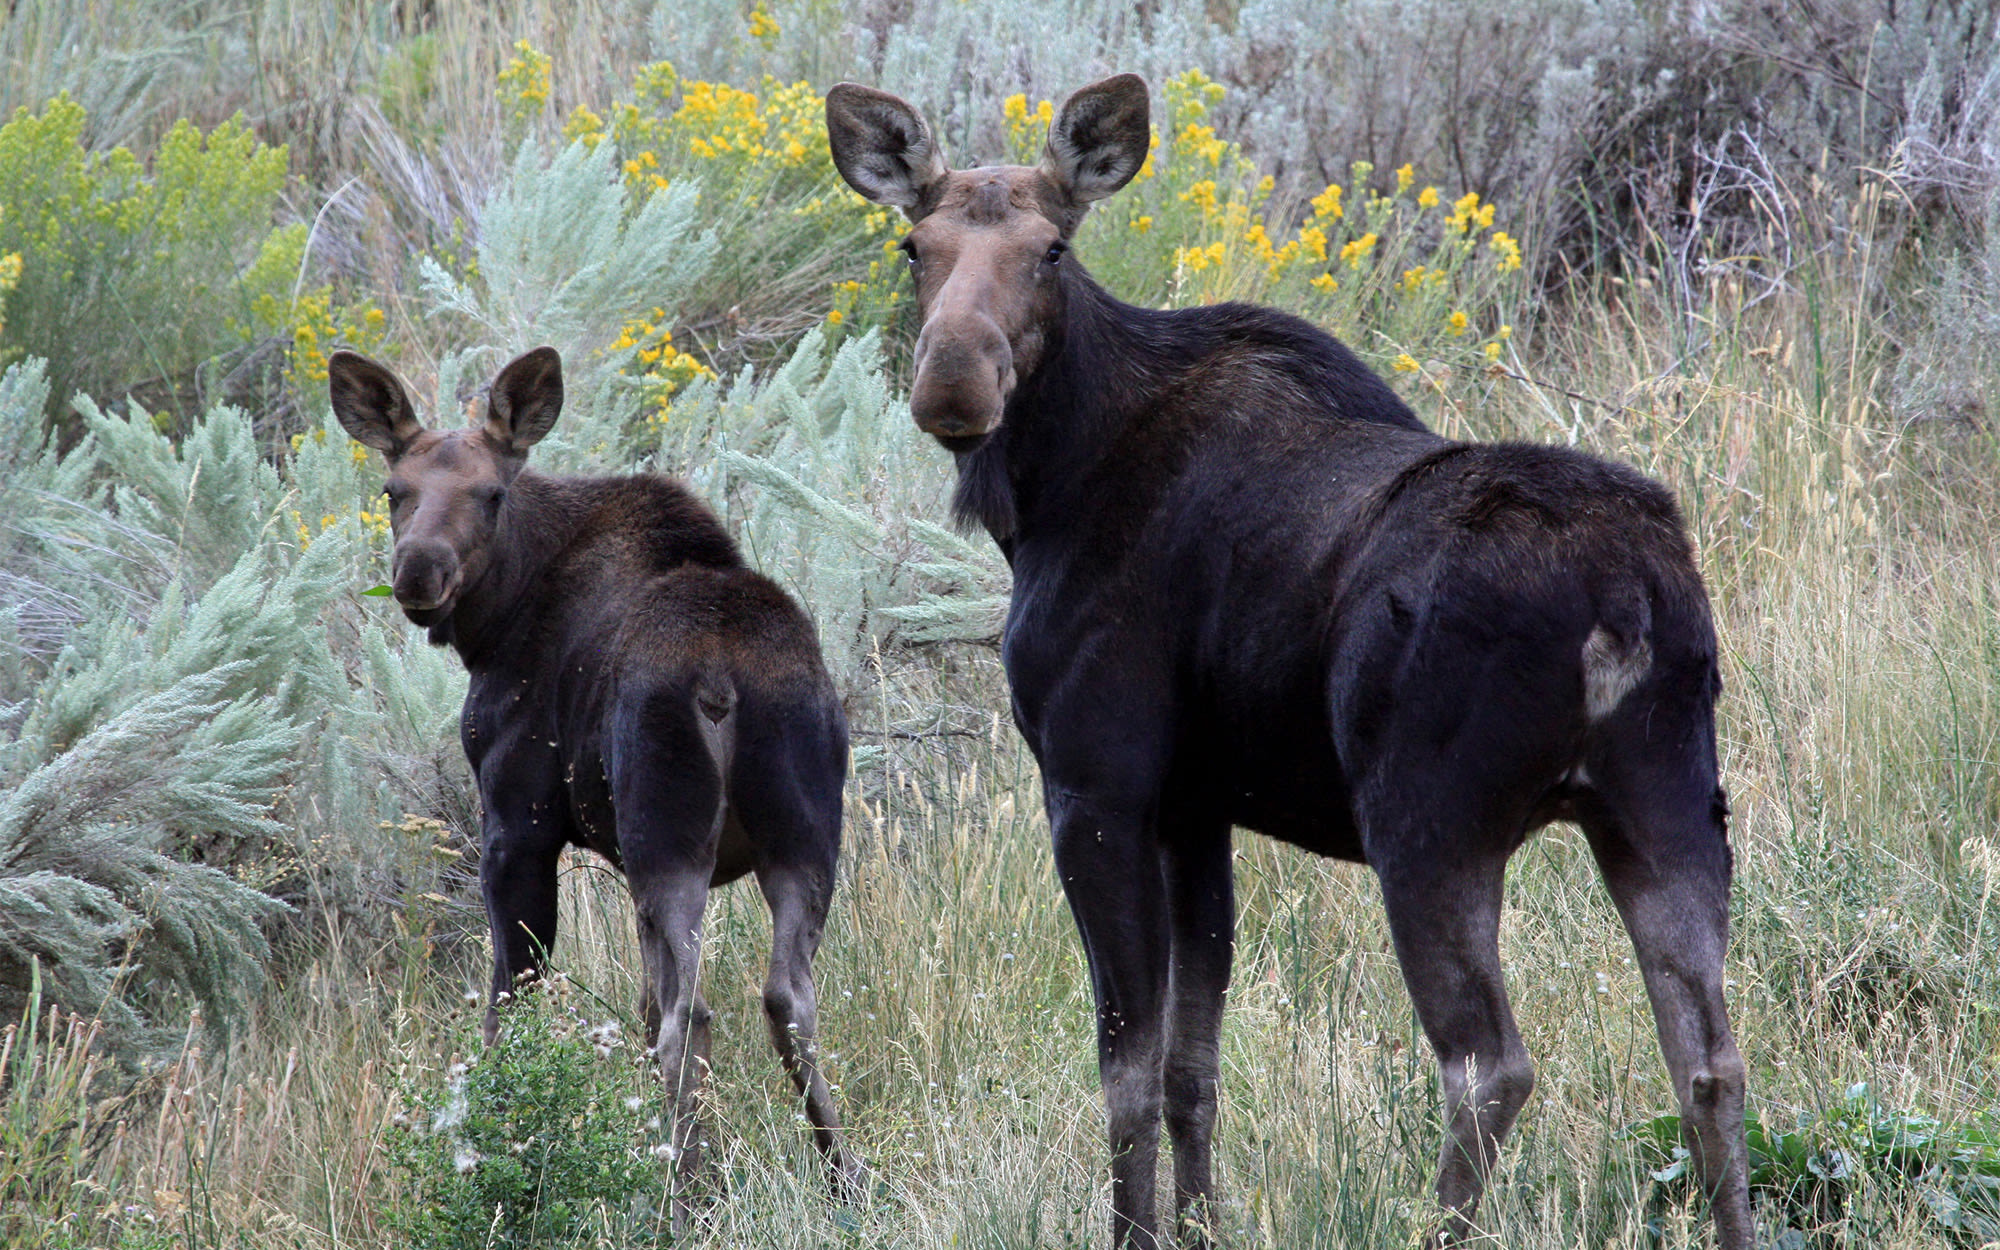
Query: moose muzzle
{"points": [[965, 371], [428, 576]]}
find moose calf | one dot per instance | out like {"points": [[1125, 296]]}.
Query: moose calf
{"points": [[636, 689]]}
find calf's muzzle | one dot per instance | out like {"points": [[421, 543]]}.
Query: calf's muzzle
{"points": [[427, 576]]}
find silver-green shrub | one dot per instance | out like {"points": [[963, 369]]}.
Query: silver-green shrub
{"points": [[188, 748]]}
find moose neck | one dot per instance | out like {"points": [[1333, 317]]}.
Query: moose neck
{"points": [[1108, 362], [536, 522], [1139, 384]]}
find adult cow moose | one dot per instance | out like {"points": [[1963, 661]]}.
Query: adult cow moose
{"points": [[637, 690], [1252, 588]]}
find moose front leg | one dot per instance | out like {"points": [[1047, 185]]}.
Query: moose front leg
{"points": [[1202, 920], [1109, 863], [517, 877]]}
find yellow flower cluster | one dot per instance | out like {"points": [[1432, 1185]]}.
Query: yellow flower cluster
{"points": [[1356, 250], [877, 295], [524, 84], [317, 326], [763, 27], [1026, 127], [1414, 267], [1201, 140], [671, 122], [1468, 215], [375, 515], [1196, 259], [1190, 94], [308, 322], [656, 363], [1417, 277]]}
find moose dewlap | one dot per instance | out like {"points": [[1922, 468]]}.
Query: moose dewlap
{"points": [[635, 689], [1251, 588]]}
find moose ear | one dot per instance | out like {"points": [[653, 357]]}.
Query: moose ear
{"points": [[1100, 139], [371, 404], [882, 146], [525, 400]]}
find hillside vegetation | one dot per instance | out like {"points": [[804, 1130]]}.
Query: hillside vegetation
{"points": [[1753, 250]]}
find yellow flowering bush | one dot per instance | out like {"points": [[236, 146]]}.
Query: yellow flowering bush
{"points": [[328, 470], [763, 27], [1401, 275], [673, 126], [308, 322], [10, 277], [656, 363], [524, 86], [787, 223], [120, 268]]}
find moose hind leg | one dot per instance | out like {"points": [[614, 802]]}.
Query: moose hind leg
{"points": [[1202, 921], [1446, 925], [798, 899], [669, 800], [669, 907], [1673, 893], [1109, 862]]}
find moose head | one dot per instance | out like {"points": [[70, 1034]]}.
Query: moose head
{"points": [[447, 488], [986, 245]]}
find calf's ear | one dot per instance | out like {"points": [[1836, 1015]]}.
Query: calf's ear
{"points": [[371, 404], [1100, 139], [525, 400], [882, 146]]}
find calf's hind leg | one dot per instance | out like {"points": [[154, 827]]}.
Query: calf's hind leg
{"points": [[669, 802], [669, 904], [798, 898]]}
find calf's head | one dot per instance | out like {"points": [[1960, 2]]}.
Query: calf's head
{"points": [[445, 487], [986, 245]]}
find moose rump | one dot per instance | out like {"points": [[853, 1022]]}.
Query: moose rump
{"points": [[635, 689]]}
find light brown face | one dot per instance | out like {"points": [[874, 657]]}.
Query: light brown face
{"points": [[986, 265], [446, 488], [986, 245]]}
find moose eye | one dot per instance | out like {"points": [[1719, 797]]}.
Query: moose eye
{"points": [[909, 251], [394, 492], [1055, 252]]}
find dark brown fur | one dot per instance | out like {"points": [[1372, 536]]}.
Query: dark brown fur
{"points": [[636, 689], [1250, 588]]}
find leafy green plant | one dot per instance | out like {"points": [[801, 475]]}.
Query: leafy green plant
{"points": [[1809, 1173], [549, 1137], [133, 270]]}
